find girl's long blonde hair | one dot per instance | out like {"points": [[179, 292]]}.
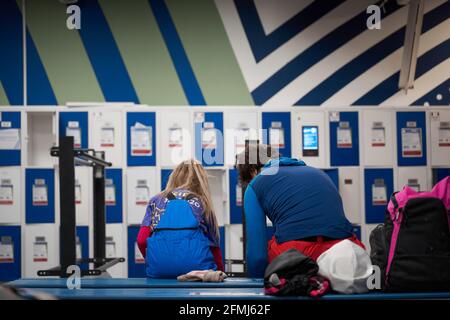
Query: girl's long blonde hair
{"points": [[191, 175]]}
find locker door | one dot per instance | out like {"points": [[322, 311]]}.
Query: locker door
{"points": [[411, 139], [165, 173], [10, 195], [10, 138], [39, 195], [349, 188], [74, 124], [378, 188], [440, 137], [141, 139], [414, 177], [309, 138], [106, 135], [136, 262], [83, 192], [176, 138], [141, 187], [240, 126], [41, 248], [378, 128], [344, 138], [82, 244], [277, 131], [113, 195], [236, 197], [10, 253], [209, 142], [115, 248]]}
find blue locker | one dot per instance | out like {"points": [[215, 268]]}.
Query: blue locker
{"points": [[235, 199], [209, 156], [439, 174], [82, 233], [113, 195], [76, 125], [222, 243], [165, 173], [10, 259], [411, 139], [40, 196], [10, 121], [334, 176], [357, 231], [141, 138], [136, 267], [278, 122], [344, 142], [378, 188]]}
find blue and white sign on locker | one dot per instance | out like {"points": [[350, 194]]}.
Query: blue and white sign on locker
{"points": [[10, 256], [209, 143], [113, 195], [378, 188], [40, 196], [10, 139], [136, 262], [344, 143], [411, 139], [277, 126], [141, 139], [236, 197], [82, 244], [165, 173], [74, 124]]}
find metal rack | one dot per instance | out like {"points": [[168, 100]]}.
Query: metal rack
{"points": [[69, 157]]}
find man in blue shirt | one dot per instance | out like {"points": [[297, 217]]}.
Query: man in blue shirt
{"points": [[302, 202]]}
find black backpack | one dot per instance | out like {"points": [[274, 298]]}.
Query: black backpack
{"points": [[412, 247]]}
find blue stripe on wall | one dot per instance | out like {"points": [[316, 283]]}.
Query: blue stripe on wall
{"points": [[173, 42], [104, 54], [263, 44], [368, 59], [389, 87], [314, 54], [431, 97], [39, 89], [11, 50]]}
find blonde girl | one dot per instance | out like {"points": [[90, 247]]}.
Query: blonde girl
{"points": [[179, 232]]}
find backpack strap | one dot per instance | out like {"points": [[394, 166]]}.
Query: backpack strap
{"points": [[170, 196], [394, 200], [186, 196], [395, 203]]}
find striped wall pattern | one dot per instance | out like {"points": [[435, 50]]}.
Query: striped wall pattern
{"points": [[219, 52]]}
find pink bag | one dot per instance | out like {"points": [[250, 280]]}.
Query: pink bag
{"points": [[396, 210]]}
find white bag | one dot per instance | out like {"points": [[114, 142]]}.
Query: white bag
{"points": [[347, 266]]}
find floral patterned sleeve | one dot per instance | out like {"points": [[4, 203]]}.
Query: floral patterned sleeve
{"points": [[147, 221]]}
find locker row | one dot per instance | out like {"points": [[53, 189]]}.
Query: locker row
{"points": [[128, 191], [322, 138], [39, 247]]}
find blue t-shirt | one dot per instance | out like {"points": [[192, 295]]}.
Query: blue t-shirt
{"points": [[300, 201]]}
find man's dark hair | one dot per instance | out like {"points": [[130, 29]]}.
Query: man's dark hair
{"points": [[252, 159]]}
